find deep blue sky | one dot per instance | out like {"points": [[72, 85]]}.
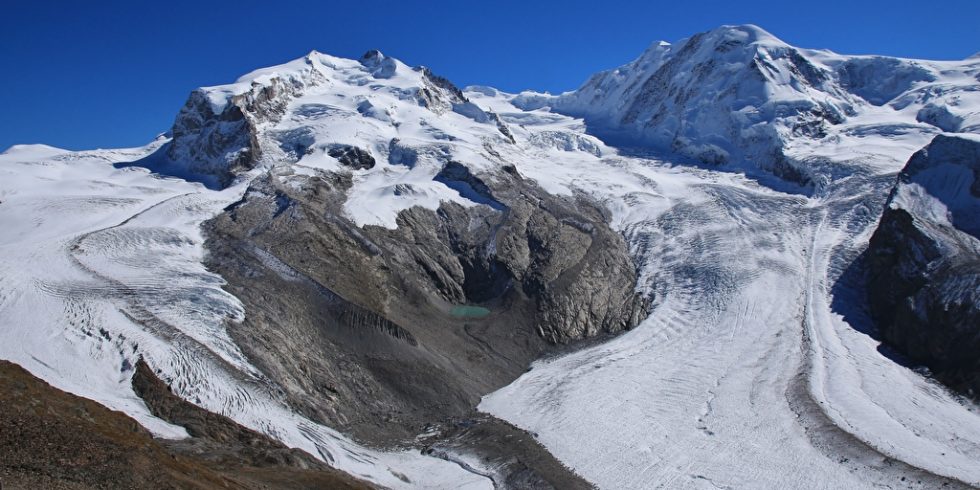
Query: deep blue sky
{"points": [[108, 74]]}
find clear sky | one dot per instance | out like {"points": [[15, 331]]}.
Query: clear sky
{"points": [[108, 74]]}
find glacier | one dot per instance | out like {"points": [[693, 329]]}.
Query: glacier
{"points": [[746, 176]]}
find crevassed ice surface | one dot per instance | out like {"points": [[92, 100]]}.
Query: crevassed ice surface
{"points": [[744, 376]]}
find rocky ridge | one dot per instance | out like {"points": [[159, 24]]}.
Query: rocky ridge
{"points": [[52, 439], [924, 262]]}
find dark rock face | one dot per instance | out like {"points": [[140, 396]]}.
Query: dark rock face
{"points": [[516, 460], [924, 274], [548, 269], [214, 144], [223, 139], [381, 332], [352, 157], [218, 134]]}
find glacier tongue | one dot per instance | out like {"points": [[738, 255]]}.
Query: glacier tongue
{"points": [[751, 365], [744, 375]]}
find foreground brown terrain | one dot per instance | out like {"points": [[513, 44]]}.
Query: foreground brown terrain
{"points": [[54, 440]]}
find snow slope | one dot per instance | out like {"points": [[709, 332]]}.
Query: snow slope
{"points": [[737, 96], [941, 193], [748, 373], [100, 265], [409, 121]]}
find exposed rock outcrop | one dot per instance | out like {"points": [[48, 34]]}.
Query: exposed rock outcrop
{"points": [[382, 332], [509, 456], [340, 315], [924, 262], [221, 131], [216, 132], [352, 157], [440, 95]]}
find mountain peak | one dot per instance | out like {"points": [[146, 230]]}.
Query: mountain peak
{"points": [[751, 38], [737, 80], [372, 54], [33, 150], [750, 32], [380, 65]]}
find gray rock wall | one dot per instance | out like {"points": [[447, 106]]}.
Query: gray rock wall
{"points": [[389, 333], [924, 278]]}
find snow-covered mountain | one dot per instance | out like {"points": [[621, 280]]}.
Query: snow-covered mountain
{"points": [[739, 95], [304, 109], [351, 256]]}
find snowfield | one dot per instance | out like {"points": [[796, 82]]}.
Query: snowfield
{"points": [[102, 265], [754, 370], [744, 376]]}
